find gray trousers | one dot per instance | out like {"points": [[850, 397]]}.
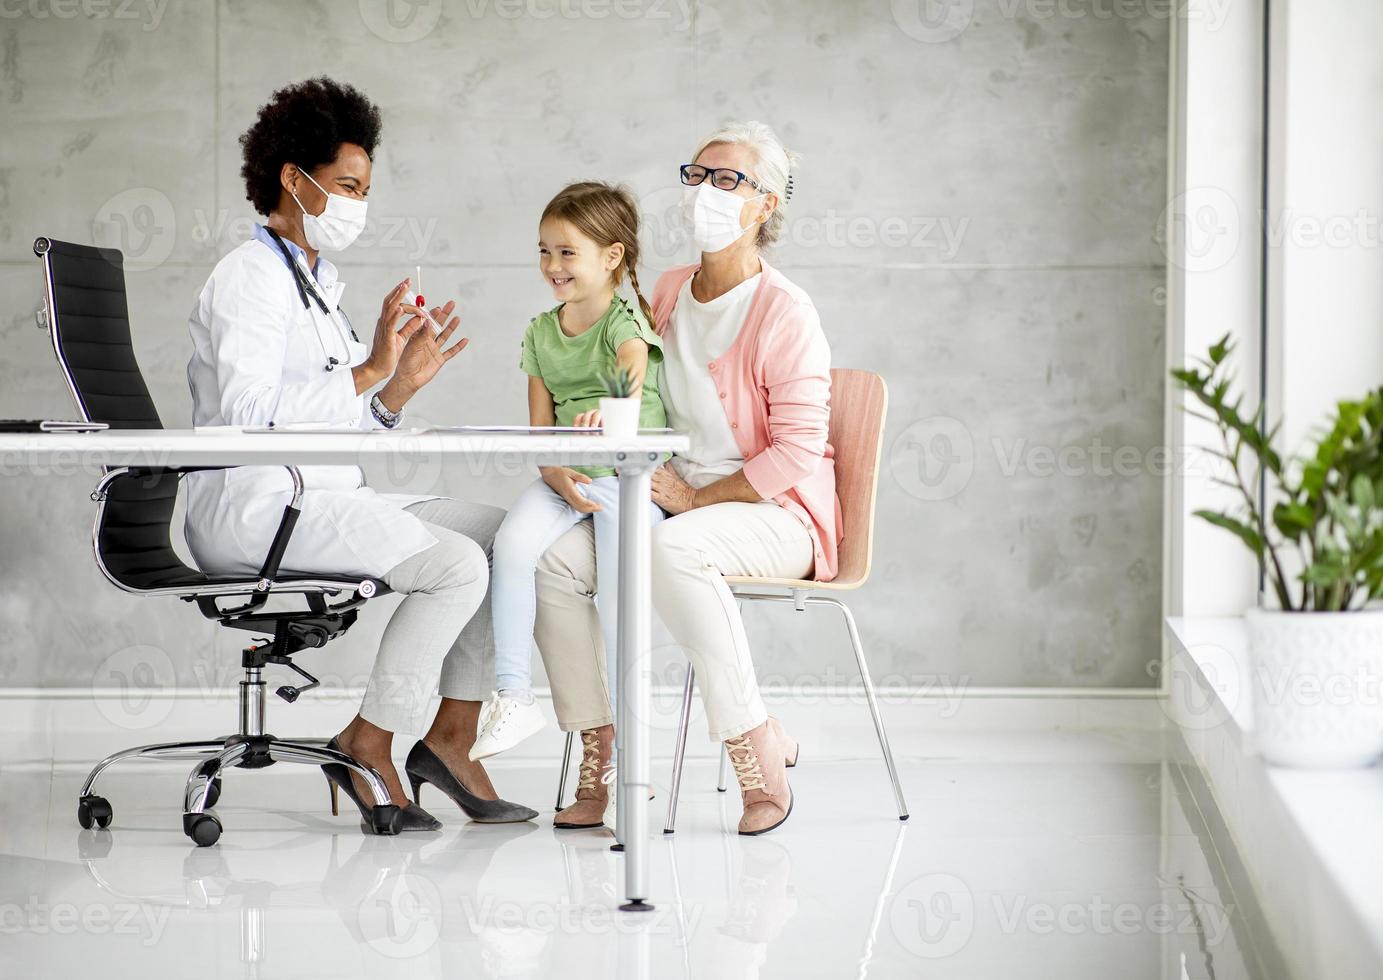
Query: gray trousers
{"points": [[441, 638]]}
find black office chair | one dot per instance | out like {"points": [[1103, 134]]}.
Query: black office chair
{"points": [[88, 318]]}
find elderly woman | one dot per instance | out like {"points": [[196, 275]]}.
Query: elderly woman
{"points": [[747, 374]]}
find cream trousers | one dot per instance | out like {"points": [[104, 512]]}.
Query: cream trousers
{"points": [[441, 637], [691, 554]]}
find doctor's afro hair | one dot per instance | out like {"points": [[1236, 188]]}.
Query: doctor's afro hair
{"points": [[304, 124]]}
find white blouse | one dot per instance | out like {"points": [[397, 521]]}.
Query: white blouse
{"points": [[699, 334]]}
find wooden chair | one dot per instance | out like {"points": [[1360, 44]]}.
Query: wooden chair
{"points": [[859, 405]]}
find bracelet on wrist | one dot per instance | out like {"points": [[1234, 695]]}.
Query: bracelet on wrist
{"points": [[382, 414]]}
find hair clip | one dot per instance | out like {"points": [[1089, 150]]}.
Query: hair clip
{"points": [[787, 191]]}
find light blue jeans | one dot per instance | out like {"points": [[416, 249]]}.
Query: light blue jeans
{"points": [[538, 518]]}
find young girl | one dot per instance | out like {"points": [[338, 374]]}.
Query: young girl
{"points": [[588, 238]]}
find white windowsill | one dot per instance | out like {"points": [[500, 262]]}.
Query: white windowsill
{"points": [[1337, 814]]}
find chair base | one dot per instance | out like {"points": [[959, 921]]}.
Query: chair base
{"points": [[250, 748]]}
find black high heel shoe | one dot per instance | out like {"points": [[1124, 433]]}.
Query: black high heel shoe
{"points": [[387, 820], [423, 766]]}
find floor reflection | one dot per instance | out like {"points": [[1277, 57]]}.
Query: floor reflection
{"points": [[1056, 856]]}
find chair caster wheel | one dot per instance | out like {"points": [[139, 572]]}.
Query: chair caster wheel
{"points": [[203, 828], [94, 810], [213, 792], [386, 820]]}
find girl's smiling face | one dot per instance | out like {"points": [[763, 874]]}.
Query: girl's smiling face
{"points": [[574, 266]]}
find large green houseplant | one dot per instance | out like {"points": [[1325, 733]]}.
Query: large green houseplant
{"points": [[1317, 658]]}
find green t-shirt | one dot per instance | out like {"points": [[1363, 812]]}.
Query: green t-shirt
{"points": [[572, 367]]}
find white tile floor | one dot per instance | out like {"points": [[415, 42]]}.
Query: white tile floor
{"points": [[1029, 855]]}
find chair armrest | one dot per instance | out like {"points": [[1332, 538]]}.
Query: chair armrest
{"points": [[118, 472], [277, 548], [269, 571]]}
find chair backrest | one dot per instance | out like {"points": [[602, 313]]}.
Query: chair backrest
{"points": [[89, 320], [859, 404]]}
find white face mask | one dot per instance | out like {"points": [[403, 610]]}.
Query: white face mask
{"points": [[715, 216], [339, 224]]}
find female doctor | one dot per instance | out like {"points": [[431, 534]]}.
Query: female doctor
{"points": [[273, 345]]}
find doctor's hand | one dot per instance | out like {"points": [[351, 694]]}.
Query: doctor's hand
{"points": [[423, 355], [390, 338], [564, 482]]}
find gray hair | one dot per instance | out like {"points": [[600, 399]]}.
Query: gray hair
{"points": [[773, 167]]}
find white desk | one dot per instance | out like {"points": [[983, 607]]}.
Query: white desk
{"points": [[89, 453]]}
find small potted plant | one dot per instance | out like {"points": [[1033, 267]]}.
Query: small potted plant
{"points": [[1317, 658], [619, 413]]}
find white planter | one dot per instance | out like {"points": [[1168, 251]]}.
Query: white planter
{"points": [[1316, 687], [619, 417]]}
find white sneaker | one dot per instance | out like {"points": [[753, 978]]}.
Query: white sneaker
{"points": [[504, 723], [611, 779]]}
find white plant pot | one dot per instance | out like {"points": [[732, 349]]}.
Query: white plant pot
{"points": [[619, 417], [1316, 687]]}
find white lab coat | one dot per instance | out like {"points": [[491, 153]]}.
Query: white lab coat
{"points": [[258, 359]]}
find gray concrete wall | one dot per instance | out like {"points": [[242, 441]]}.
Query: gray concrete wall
{"points": [[976, 219]]}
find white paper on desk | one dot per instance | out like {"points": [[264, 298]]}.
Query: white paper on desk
{"points": [[593, 430], [305, 428], [510, 428], [212, 430]]}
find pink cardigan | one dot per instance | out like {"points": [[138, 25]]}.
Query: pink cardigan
{"points": [[776, 383]]}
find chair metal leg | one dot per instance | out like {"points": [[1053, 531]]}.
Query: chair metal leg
{"points": [[250, 747], [723, 780], [566, 768], [312, 754], [679, 752], [199, 780], [869, 695], [164, 750], [280, 750]]}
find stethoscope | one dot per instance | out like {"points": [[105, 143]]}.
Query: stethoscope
{"points": [[307, 287]]}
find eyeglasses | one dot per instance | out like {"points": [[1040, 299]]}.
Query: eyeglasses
{"points": [[721, 177]]}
